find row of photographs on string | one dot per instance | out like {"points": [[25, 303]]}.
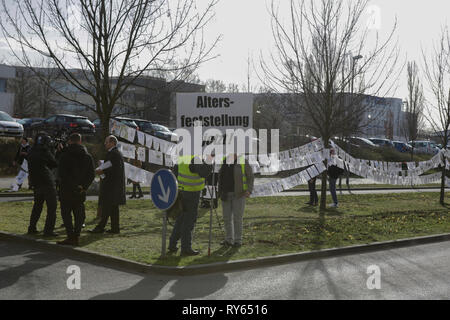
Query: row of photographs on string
{"points": [[165, 154]]}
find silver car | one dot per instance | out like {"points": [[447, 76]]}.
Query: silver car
{"points": [[9, 127]]}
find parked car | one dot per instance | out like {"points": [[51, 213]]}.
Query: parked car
{"points": [[27, 122], [127, 121], [163, 132], [362, 142], [155, 129], [382, 142], [144, 125], [9, 127], [64, 124], [427, 147], [402, 146]]}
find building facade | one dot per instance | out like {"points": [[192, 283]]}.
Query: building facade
{"points": [[147, 97]]}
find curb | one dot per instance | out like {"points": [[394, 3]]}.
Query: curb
{"points": [[221, 267]]}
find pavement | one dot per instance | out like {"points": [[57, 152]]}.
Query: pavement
{"points": [[416, 272]]}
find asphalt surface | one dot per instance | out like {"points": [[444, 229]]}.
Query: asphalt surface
{"points": [[419, 272]]}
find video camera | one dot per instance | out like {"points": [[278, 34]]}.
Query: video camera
{"points": [[55, 143]]}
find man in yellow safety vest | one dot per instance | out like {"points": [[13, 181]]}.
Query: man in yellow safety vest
{"points": [[191, 173]]}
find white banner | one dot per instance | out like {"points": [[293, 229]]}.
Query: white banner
{"points": [[215, 110]]}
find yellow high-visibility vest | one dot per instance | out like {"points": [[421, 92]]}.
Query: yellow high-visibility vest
{"points": [[188, 180]]}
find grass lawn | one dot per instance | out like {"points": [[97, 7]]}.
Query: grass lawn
{"points": [[272, 226]]}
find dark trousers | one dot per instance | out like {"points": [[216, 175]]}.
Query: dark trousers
{"points": [[313, 198], [41, 195], [185, 223], [110, 210], [138, 186], [69, 206], [333, 190]]}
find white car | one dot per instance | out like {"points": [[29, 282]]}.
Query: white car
{"points": [[9, 127]]}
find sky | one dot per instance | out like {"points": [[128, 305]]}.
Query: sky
{"points": [[246, 32]]}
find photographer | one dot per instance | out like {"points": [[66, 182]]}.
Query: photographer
{"points": [[76, 173], [41, 162]]}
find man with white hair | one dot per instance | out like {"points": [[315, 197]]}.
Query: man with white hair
{"points": [[112, 191]]}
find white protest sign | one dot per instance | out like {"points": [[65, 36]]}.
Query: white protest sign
{"points": [[215, 110]]}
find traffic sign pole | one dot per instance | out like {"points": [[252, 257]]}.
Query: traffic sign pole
{"points": [[164, 193], [164, 235]]}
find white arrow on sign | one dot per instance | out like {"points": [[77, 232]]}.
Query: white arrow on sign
{"points": [[165, 194]]}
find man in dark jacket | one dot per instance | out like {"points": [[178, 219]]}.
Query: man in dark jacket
{"points": [[76, 173], [41, 163], [112, 191]]}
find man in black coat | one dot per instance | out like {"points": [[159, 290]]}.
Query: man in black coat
{"points": [[41, 162], [112, 191], [76, 173]]}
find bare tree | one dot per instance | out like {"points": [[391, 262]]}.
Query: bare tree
{"points": [[26, 95], [313, 45], [216, 86], [437, 73], [110, 43], [415, 103]]}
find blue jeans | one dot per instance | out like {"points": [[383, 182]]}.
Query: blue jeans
{"points": [[333, 190], [185, 223]]}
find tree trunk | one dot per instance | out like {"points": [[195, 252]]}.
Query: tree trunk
{"points": [[323, 195], [444, 171]]}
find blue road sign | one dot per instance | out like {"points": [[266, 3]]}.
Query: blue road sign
{"points": [[164, 189]]}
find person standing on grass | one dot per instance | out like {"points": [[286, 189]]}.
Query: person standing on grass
{"points": [[76, 173], [136, 184], [112, 191], [21, 160], [313, 198], [235, 186], [191, 173], [334, 172], [41, 162]]}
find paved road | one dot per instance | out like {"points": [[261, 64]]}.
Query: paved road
{"points": [[419, 272]]}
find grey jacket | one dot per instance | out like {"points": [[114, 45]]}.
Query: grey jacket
{"points": [[238, 185]]}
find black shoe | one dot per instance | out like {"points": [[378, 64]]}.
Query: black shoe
{"points": [[50, 234], [96, 230], [132, 197], [113, 232], [140, 196], [70, 241], [189, 253], [172, 250], [32, 231]]}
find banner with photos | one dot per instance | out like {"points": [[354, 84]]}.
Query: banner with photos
{"points": [[311, 155]]}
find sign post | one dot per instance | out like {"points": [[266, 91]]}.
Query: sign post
{"points": [[164, 192]]}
